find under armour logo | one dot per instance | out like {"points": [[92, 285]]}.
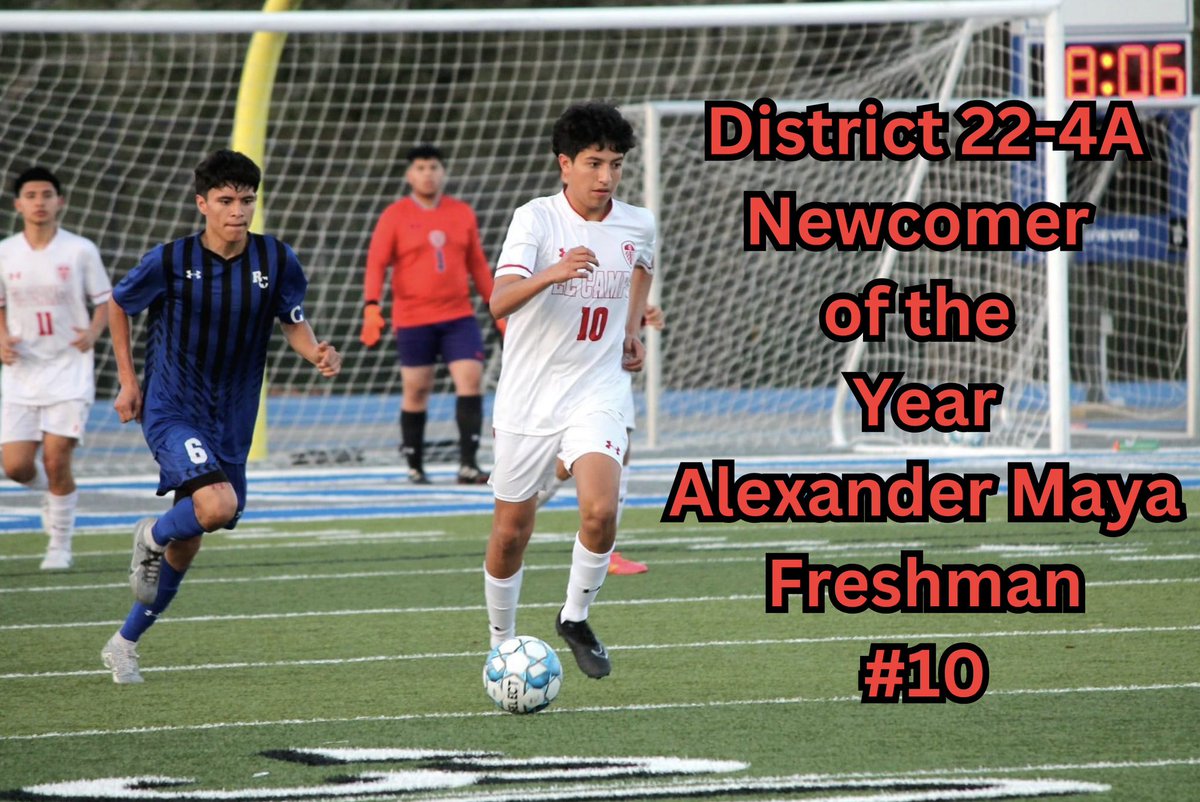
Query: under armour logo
{"points": [[562, 252], [193, 274], [609, 445]]}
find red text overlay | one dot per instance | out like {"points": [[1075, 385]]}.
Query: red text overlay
{"points": [[1114, 501], [915, 586]]}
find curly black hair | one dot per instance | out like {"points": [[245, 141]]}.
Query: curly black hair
{"points": [[227, 168], [591, 124]]}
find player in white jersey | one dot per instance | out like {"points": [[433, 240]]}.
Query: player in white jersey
{"points": [[48, 277], [655, 318], [572, 280]]}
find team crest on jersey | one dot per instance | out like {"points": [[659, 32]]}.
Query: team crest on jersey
{"points": [[258, 278], [64, 272], [437, 238], [630, 251]]}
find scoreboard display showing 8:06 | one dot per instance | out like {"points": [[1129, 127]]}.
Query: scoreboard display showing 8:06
{"points": [[1122, 68]]}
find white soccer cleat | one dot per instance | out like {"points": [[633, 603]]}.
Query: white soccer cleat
{"points": [[121, 656], [57, 559], [145, 567]]}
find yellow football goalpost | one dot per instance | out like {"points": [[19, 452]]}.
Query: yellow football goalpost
{"points": [[250, 137]]}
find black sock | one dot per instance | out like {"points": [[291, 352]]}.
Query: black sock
{"points": [[412, 435], [468, 410]]}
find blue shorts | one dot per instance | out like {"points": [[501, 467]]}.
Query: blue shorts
{"points": [[186, 464], [419, 346]]}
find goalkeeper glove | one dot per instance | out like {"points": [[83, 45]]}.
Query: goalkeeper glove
{"points": [[373, 324]]}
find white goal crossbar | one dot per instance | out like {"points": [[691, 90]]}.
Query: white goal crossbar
{"points": [[482, 20]]}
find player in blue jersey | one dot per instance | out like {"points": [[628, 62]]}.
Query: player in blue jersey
{"points": [[213, 299]]}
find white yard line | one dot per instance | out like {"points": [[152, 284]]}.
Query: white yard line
{"points": [[560, 711], [714, 644], [468, 571]]}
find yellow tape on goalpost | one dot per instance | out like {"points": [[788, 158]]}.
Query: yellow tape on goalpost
{"points": [[250, 137]]}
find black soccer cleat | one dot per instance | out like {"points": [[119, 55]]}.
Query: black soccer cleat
{"points": [[416, 476], [590, 654]]}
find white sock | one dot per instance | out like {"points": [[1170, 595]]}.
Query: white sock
{"points": [[62, 518], [502, 596], [39, 481], [622, 491], [588, 571]]}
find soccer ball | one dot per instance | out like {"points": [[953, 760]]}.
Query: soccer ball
{"points": [[522, 675]]}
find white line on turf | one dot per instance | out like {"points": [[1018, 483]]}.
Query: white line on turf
{"points": [[844, 549], [559, 711], [468, 571], [463, 608], [1092, 766], [1154, 557], [382, 658]]}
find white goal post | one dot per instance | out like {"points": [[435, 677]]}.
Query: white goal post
{"points": [[123, 104]]}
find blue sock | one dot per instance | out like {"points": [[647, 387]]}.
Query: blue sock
{"points": [[141, 616], [178, 524]]}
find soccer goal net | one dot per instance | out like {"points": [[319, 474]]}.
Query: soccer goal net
{"points": [[124, 105]]}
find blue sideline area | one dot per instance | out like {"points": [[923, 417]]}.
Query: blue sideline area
{"points": [[318, 412], [334, 494]]}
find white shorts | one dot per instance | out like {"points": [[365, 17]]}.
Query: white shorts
{"points": [[22, 422], [524, 463]]}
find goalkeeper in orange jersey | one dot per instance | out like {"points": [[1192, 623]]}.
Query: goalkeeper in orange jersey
{"points": [[431, 242]]}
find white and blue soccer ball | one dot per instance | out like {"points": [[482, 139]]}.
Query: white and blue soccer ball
{"points": [[522, 675]]}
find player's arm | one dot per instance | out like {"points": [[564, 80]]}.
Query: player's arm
{"points": [[140, 288], [511, 292], [379, 259], [634, 352], [290, 314], [99, 290], [304, 342], [87, 337], [8, 345], [129, 399], [477, 266]]}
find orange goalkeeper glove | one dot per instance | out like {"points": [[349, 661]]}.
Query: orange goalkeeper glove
{"points": [[373, 325]]}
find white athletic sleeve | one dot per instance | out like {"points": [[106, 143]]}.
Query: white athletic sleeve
{"points": [[95, 278], [646, 253], [521, 245]]}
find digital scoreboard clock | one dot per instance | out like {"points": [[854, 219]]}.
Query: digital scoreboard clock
{"points": [[1130, 69], [1126, 69]]}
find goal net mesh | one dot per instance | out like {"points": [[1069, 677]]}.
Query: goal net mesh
{"points": [[125, 117], [1128, 291]]}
